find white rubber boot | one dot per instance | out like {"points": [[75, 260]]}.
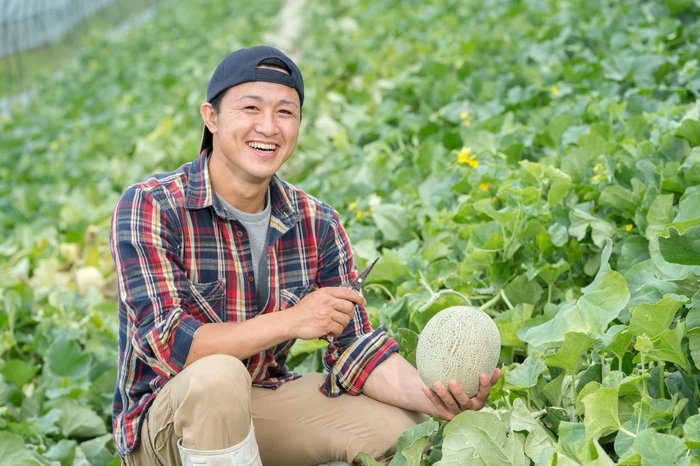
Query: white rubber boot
{"points": [[244, 454]]}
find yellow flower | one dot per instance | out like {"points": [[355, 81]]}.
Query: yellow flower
{"points": [[628, 227], [484, 186], [595, 178], [473, 162], [554, 90], [596, 168], [371, 209], [467, 118], [353, 206], [358, 215], [464, 155], [494, 199]]}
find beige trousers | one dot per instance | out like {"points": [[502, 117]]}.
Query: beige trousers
{"points": [[211, 402]]}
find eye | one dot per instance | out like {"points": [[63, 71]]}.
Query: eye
{"points": [[286, 112], [251, 107]]}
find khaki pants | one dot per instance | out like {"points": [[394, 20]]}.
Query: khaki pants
{"points": [[210, 405]]}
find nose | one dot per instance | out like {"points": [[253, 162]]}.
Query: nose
{"points": [[266, 124]]}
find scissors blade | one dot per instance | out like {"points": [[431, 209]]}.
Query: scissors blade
{"points": [[360, 280]]}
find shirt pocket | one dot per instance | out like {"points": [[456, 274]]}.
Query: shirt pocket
{"points": [[291, 296], [208, 301]]}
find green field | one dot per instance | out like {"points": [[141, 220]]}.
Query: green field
{"points": [[540, 157]]}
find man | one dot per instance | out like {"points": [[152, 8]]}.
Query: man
{"points": [[222, 266]]}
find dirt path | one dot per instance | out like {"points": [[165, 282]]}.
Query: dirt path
{"points": [[291, 24]]}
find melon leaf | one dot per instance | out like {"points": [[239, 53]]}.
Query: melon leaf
{"points": [[575, 344], [480, 438], [601, 302], [412, 443]]}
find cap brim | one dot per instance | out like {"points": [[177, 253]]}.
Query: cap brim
{"points": [[207, 139]]}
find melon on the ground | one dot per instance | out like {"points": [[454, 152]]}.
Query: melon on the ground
{"points": [[458, 343]]}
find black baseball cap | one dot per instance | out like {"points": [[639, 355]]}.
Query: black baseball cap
{"points": [[241, 67]]}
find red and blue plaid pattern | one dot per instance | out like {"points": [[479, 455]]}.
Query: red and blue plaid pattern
{"points": [[181, 264]]}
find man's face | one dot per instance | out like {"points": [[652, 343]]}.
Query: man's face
{"points": [[256, 129]]}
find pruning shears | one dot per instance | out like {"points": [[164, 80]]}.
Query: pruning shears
{"points": [[357, 283]]}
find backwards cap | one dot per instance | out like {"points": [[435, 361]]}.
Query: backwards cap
{"points": [[241, 67]]}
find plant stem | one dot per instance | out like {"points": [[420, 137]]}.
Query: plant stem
{"points": [[381, 287], [627, 432], [505, 299], [490, 302], [435, 296]]}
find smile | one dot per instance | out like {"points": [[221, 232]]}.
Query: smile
{"points": [[269, 148]]}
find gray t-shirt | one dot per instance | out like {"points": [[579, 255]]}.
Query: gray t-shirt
{"points": [[257, 226]]}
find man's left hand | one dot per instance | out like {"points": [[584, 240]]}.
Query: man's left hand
{"points": [[450, 403]]}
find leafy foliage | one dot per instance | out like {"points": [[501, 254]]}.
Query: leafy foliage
{"points": [[541, 158]]}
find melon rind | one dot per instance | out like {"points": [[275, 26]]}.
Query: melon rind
{"points": [[458, 343]]}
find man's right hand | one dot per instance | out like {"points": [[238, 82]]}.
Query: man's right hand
{"points": [[326, 311]]}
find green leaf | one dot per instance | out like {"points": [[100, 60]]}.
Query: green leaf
{"points": [[79, 421], [392, 221], [668, 347], [600, 304], [601, 412], [553, 390], [660, 214], [656, 449], [685, 386], [482, 438], [690, 131], [67, 359], [19, 372], [13, 452], [368, 460], [620, 198], [521, 290], [63, 452], [600, 229], [408, 341], [572, 439], [681, 249], [558, 191], [412, 443], [525, 375], [510, 321], [575, 345], [551, 272], [691, 432], [652, 319], [539, 447], [96, 450]]}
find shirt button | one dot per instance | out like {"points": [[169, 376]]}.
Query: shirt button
{"points": [[239, 233], [251, 278]]}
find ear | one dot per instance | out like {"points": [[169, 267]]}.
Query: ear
{"points": [[210, 117]]}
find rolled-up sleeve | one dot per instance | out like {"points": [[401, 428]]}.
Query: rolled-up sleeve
{"points": [[354, 354], [145, 246]]}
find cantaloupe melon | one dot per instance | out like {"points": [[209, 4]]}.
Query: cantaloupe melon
{"points": [[458, 343]]}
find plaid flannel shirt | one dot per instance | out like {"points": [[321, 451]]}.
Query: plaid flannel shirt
{"points": [[181, 264]]}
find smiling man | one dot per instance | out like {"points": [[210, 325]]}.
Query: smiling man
{"points": [[222, 266]]}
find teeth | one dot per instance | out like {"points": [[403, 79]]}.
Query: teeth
{"points": [[261, 146]]}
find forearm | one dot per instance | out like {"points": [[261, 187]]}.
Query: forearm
{"points": [[396, 382], [240, 339]]}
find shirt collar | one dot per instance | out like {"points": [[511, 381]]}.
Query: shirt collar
{"points": [[200, 193]]}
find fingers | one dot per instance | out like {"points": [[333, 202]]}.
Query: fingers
{"points": [[496, 375], [346, 294], [440, 407]]}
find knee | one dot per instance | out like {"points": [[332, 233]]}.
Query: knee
{"points": [[219, 376], [383, 441]]}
